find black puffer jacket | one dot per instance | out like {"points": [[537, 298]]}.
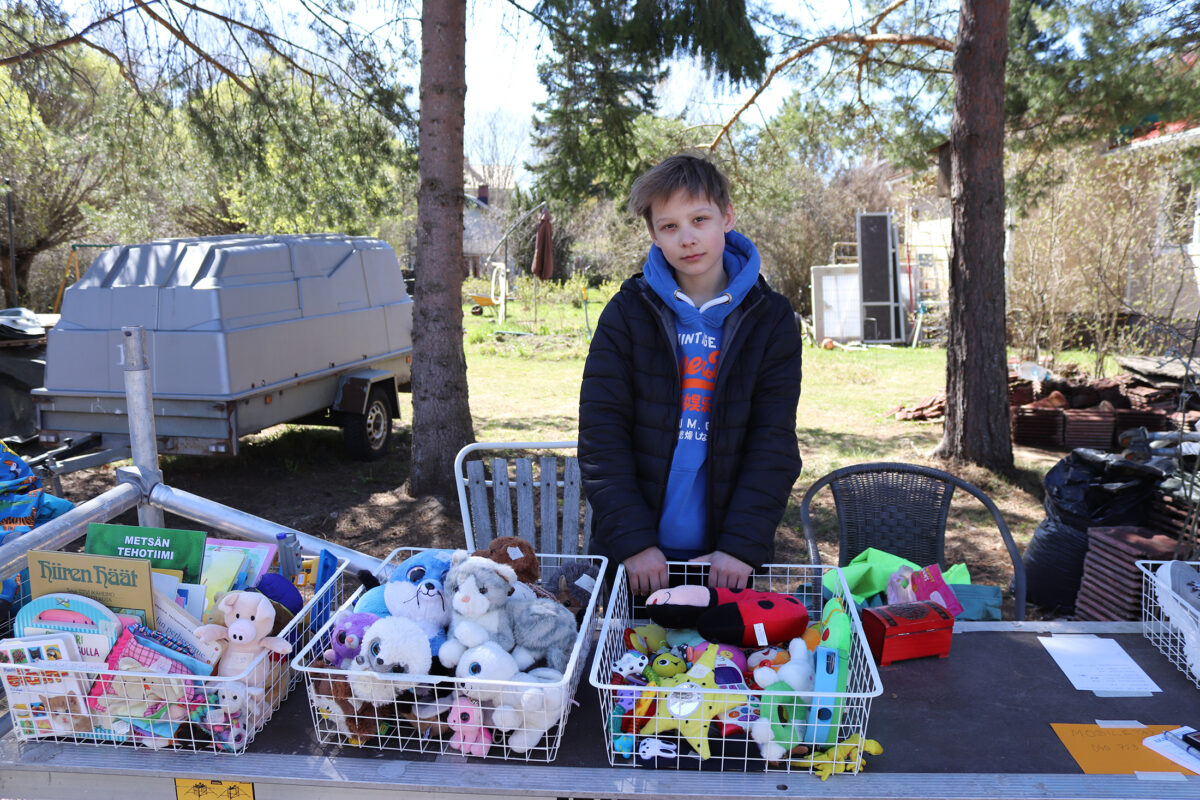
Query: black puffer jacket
{"points": [[629, 422]]}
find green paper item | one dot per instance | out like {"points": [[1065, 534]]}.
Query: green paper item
{"points": [[164, 548], [868, 572]]}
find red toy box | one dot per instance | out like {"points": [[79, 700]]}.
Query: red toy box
{"points": [[908, 630]]}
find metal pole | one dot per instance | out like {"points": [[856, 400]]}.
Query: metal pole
{"points": [[247, 526], [140, 413], [12, 247]]}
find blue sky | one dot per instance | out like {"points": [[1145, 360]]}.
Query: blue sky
{"points": [[504, 46]]}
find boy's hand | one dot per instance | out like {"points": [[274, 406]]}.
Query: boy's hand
{"points": [[647, 571], [725, 571]]}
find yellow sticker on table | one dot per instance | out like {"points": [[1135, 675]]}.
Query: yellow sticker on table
{"points": [[205, 789]]}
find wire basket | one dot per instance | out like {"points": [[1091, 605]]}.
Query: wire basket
{"points": [[520, 718], [157, 702], [644, 726], [6, 624], [1169, 621]]}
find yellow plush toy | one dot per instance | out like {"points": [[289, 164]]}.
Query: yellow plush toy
{"points": [[844, 757]]}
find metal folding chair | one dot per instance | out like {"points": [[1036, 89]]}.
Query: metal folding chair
{"points": [[901, 509], [513, 493]]}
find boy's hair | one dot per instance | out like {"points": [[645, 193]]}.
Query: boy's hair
{"points": [[690, 170]]}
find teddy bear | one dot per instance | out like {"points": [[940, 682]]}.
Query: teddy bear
{"points": [[415, 590], [541, 629], [479, 589], [844, 757], [538, 709], [465, 718], [392, 646], [425, 603], [346, 635], [516, 553], [248, 618], [779, 728]]}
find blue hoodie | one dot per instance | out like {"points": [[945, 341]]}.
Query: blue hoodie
{"points": [[681, 528]]}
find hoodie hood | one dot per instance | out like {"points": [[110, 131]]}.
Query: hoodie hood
{"points": [[741, 263]]}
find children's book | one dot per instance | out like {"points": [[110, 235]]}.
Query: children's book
{"points": [[167, 548], [92, 625], [179, 625], [119, 583], [46, 701], [166, 581], [221, 571], [258, 555], [190, 597]]}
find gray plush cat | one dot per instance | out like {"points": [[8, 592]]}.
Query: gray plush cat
{"points": [[479, 590], [542, 628]]}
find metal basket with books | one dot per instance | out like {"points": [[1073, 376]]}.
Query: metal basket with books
{"points": [[161, 638]]}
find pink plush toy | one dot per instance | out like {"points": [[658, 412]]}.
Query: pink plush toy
{"points": [[248, 620], [465, 718]]}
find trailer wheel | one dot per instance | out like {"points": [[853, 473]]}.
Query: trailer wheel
{"points": [[368, 434]]}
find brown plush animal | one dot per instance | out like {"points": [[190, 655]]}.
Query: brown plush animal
{"points": [[517, 553], [425, 717], [331, 698]]}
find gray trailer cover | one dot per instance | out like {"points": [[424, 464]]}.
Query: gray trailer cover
{"points": [[230, 315]]}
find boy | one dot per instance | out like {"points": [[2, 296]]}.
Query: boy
{"points": [[687, 412]]}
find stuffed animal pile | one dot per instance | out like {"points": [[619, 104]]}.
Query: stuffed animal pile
{"points": [[723, 675], [481, 617]]}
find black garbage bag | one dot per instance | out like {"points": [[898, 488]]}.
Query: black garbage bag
{"points": [[1087, 489]]}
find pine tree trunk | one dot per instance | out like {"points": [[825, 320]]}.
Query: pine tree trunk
{"points": [[977, 423], [441, 422]]}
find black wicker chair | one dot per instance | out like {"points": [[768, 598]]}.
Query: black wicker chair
{"points": [[901, 509]]}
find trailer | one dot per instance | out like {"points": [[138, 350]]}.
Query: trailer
{"points": [[243, 332]]}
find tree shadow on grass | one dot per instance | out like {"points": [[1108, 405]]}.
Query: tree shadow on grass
{"points": [[548, 427], [841, 448]]}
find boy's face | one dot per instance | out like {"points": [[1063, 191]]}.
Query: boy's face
{"points": [[691, 230]]}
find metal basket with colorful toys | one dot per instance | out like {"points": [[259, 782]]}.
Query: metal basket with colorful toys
{"points": [[457, 653], [75, 671], [777, 676]]}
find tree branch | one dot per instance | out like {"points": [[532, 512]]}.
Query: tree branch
{"points": [[50, 47], [869, 39], [187, 42], [120, 62], [264, 35]]}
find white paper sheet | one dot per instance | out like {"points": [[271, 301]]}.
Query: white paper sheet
{"points": [[1164, 746], [1093, 663]]}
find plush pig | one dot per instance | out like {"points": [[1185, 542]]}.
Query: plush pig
{"points": [[248, 619]]}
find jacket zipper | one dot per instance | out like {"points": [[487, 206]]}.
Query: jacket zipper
{"points": [[740, 313]]}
